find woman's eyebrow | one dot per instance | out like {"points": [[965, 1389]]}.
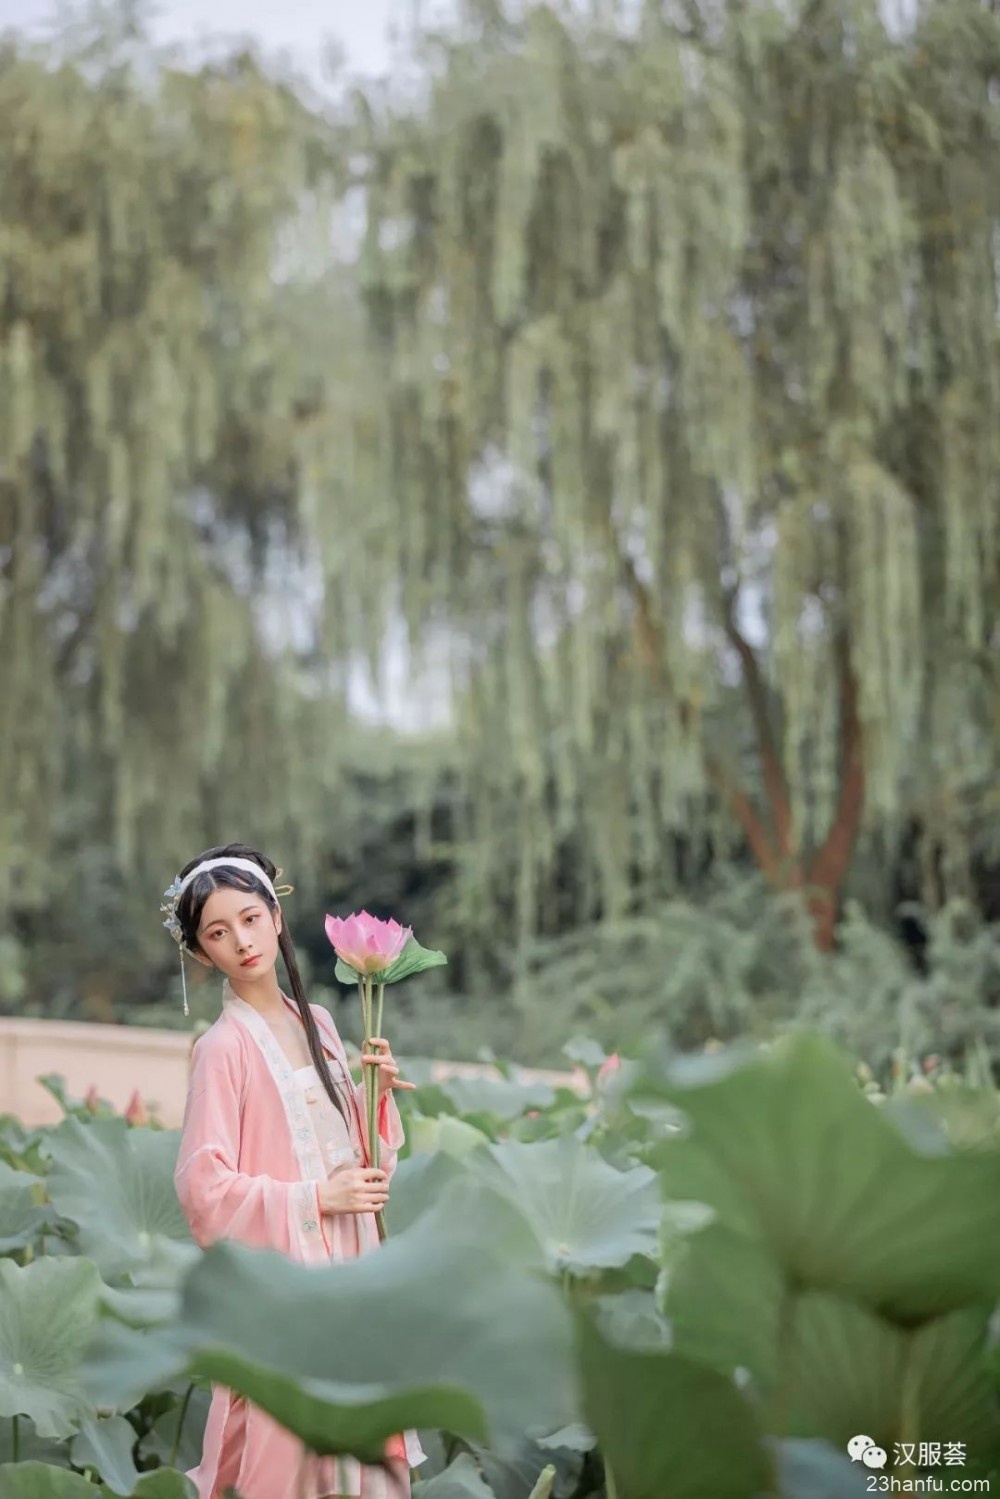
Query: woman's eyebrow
{"points": [[219, 920]]}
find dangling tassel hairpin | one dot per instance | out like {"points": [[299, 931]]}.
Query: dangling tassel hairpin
{"points": [[173, 926]]}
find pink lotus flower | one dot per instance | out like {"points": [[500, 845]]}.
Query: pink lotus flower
{"points": [[92, 1099], [365, 943]]}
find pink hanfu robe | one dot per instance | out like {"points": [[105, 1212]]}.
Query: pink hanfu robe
{"points": [[249, 1169]]}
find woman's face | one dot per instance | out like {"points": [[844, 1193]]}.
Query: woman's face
{"points": [[238, 934]]}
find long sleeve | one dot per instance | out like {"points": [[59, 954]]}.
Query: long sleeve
{"points": [[218, 1199]]}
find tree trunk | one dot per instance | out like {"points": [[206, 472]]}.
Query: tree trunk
{"points": [[769, 836]]}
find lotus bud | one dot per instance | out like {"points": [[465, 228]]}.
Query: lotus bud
{"points": [[136, 1113], [607, 1069]]}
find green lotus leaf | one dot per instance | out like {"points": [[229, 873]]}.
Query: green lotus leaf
{"points": [[561, 1119], [48, 1311], [116, 1184], [503, 1097], [42, 1481], [575, 1438], [22, 1218], [723, 1294], [429, 1099], [164, 1483], [450, 1324], [106, 1447], [140, 1307], [585, 1050], [823, 1365], [845, 1371], [586, 1214], [530, 1468], [30, 1446], [413, 959], [452, 1137], [417, 1183], [21, 1148], [122, 1363], [631, 1319], [667, 1425], [787, 1150], [460, 1480]]}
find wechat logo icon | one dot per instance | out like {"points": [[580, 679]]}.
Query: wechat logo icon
{"points": [[862, 1449]]}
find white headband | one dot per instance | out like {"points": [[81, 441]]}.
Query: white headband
{"points": [[247, 864]]}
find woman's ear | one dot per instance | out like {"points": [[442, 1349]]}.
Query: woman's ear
{"points": [[200, 957], [277, 920]]}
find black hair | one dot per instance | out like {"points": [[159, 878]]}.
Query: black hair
{"points": [[191, 905]]}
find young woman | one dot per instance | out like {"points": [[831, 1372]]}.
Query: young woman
{"points": [[273, 1154]]}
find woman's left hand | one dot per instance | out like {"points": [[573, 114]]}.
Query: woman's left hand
{"points": [[378, 1054]]}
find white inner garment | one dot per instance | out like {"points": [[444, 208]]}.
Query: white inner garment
{"points": [[328, 1122]]}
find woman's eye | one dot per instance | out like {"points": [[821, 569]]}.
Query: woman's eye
{"points": [[251, 918]]}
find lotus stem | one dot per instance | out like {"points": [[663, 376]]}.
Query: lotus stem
{"points": [[371, 1083], [15, 1445], [370, 1075], [175, 1448], [609, 1481]]}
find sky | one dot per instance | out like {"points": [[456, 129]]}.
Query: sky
{"points": [[299, 27]]}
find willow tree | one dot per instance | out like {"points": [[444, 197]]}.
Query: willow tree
{"points": [[163, 246], [688, 335]]}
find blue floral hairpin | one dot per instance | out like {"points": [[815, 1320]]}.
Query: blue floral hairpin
{"points": [[172, 924]]}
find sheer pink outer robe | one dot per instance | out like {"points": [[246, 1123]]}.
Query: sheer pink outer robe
{"points": [[249, 1169]]}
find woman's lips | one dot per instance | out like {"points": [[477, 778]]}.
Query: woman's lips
{"points": [[249, 962]]}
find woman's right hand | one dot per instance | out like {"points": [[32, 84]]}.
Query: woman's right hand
{"points": [[358, 1189]]}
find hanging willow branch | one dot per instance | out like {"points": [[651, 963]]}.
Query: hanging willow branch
{"points": [[610, 279], [659, 269]]}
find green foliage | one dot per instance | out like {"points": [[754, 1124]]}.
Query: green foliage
{"points": [[741, 962], [481, 1345], [728, 1266], [656, 413]]}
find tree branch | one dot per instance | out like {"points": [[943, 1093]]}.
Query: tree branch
{"points": [[742, 808], [648, 639], [770, 761], [829, 867]]}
